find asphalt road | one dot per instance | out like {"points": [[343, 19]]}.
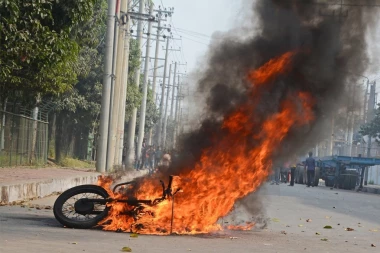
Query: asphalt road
{"points": [[286, 209]]}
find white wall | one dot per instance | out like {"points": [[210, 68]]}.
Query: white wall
{"points": [[374, 174]]}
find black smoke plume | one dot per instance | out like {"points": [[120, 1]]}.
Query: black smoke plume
{"points": [[331, 39]]}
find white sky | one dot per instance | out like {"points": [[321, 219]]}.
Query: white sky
{"points": [[195, 22]]}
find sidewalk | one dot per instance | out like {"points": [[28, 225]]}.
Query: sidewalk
{"points": [[22, 183], [375, 189]]}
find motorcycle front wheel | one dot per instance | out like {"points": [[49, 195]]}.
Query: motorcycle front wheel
{"points": [[78, 207]]}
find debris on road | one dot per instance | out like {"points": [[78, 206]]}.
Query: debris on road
{"points": [[324, 239], [283, 232], [327, 227], [275, 220], [373, 245], [126, 249], [308, 220], [233, 237], [374, 230], [134, 235], [349, 229], [317, 233]]}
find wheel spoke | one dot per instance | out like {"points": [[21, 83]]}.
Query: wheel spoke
{"points": [[69, 211]]}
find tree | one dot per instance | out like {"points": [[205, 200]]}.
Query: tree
{"points": [[372, 128], [39, 45]]}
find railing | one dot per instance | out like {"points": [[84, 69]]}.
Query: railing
{"points": [[23, 140]]}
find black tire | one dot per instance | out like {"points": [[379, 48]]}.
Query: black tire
{"points": [[80, 224]]}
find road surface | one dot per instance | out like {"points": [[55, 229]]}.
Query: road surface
{"points": [[296, 219]]}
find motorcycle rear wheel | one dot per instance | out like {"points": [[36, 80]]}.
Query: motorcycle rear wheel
{"points": [[72, 210]]}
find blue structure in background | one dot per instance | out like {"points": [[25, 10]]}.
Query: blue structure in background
{"points": [[331, 167]]}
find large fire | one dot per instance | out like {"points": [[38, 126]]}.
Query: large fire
{"points": [[231, 168]]}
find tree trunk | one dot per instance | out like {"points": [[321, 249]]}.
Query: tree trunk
{"points": [[34, 135], [2, 126]]}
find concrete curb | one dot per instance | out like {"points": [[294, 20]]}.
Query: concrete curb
{"points": [[22, 191], [372, 190]]}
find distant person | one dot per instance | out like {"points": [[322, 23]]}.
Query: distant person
{"points": [[144, 156], [150, 155], [166, 159], [276, 176], [293, 166], [310, 168], [158, 157]]}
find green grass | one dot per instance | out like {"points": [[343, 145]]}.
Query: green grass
{"points": [[75, 163]]}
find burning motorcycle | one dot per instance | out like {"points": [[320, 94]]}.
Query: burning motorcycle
{"points": [[86, 206]]}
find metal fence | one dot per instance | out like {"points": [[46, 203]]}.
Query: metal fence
{"points": [[23, 140]]}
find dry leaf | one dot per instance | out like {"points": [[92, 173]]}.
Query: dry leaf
{"points": [[126, 249], [283, 232], [134, 235], [317, 233], [324, 239], [300, 225], [74, 243], [327, 227], [349, 229]]}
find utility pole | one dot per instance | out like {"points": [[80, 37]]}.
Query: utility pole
{"points": [[145, 89], [166, 110], [116, 85], [106, 90], [370, 117], [176, 125], [163, 92], [132, 121], [173, 92], [124, 84], [155, 68], [332, 138]]}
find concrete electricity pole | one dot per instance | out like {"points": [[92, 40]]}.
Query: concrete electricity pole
{"points": [[163, 92], [132, 121], [155, 68], [332, 137], [106, 90], [370, 117], [176, 124], [173, 92], [124, 84], [166, 110], [116, 88], [145, 89]]}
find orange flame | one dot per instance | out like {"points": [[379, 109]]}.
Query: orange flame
{"points": [[227, 171], [270, 70]]}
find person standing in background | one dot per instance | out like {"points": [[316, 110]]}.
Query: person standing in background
{"points": [[310, 168], [293, 166]]}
